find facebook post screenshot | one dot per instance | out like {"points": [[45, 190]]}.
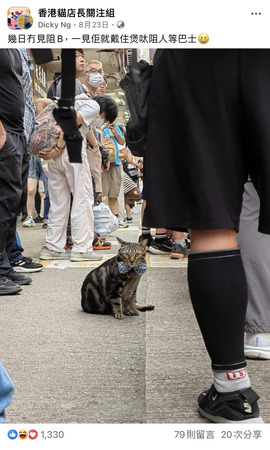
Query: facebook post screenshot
{"points": [[134, 224]]}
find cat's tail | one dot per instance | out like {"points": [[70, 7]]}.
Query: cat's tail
{"points": [[144, 307]]}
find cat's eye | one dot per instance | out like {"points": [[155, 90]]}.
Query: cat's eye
{"points": [[138, 254]]}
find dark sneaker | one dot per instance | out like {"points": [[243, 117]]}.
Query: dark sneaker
{"points": [[129, 219], [146, 236], [230, 407], [69, 242], [7, 287], [18, 278], [178, 251], [39, 219], [101, 244], [26, 265], [161, 248]]}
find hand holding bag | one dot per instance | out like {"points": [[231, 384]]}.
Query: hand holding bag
{"points": [[109, 144]]}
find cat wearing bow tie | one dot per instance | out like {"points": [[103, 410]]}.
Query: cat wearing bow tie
{"points": [[111, 288]]}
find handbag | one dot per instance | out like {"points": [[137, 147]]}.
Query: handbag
{"points": [[105, 222], [109, 144], [46, 132]]}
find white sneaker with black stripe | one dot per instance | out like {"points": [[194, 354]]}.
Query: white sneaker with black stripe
{"points": [[29, 222]]}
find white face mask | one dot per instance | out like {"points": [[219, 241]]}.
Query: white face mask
{"points": [[95, 79], [97, 122]]}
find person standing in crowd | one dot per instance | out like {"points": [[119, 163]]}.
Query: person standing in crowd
{"points": [[13, 164], [17, 260], [214, 127], [256, 259], [112, 178], [103, 87], [67, 178], [56, 86], [93, 76], [35, 175], [55, 92]]}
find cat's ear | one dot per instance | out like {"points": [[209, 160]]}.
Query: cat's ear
{"points": [[143, 243], [121, 241]]}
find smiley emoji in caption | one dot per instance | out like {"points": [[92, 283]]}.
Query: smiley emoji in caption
{"points": [[23, 434], [203, 38]]}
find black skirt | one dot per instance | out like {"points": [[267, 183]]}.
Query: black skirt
{"points": [[208, 129]]}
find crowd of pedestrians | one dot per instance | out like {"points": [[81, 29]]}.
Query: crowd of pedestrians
{"points": [[195, 215]]}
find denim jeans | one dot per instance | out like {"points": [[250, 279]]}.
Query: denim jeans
{"points": [[6, 392], [17, 250]]}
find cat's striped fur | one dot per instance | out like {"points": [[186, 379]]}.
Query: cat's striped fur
{"points": [[107, 291]]}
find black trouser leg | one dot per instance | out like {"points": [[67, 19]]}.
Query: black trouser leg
{"points": [[218, 292], [12, 160]]}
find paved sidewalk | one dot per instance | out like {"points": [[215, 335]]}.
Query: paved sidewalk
{"points": [[73, 367]]}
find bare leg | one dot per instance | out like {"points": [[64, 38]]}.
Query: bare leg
{"points": [[32, 189], [113, 205]]}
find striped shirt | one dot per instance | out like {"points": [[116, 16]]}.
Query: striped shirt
{"points": [[129, 184], [29, 112]]}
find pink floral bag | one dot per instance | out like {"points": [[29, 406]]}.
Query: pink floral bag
{"points": [[46, 132]]}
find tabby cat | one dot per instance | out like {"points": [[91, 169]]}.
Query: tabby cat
{"points": [[111, 288]]}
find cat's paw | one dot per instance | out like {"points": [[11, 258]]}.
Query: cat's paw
{"points": [[131, 312], [118, 315]]}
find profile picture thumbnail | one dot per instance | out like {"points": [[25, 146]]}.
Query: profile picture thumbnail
{"points": [[19, 18]]}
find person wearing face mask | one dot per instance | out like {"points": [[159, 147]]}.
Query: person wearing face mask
{"points": [[93, 76], [93, 79]]}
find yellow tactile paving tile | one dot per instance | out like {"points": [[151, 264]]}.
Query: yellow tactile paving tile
{"points": [[151, 260], [66, 263], [165, 261]]}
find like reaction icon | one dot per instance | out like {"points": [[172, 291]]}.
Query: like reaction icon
{"points": [[12, 434]]}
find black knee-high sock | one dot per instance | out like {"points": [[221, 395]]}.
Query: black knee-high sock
{"points": [[218, 292]]}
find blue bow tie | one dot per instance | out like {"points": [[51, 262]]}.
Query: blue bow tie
{"points": [[139, 269]]}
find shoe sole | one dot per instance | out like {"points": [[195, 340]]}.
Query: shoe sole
{"points": [[11, 291], [155, 251], [29, 226], [218, 419], [23, 283], [256, 353], [86, 259], [48, 257], [21, 270], [102, 247], [178, 256]]}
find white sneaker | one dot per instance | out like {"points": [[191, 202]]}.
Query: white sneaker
{"points": [[122, 224], [29, 222], [52, 254], [87, 256], [257, 345], [135, 211]]}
